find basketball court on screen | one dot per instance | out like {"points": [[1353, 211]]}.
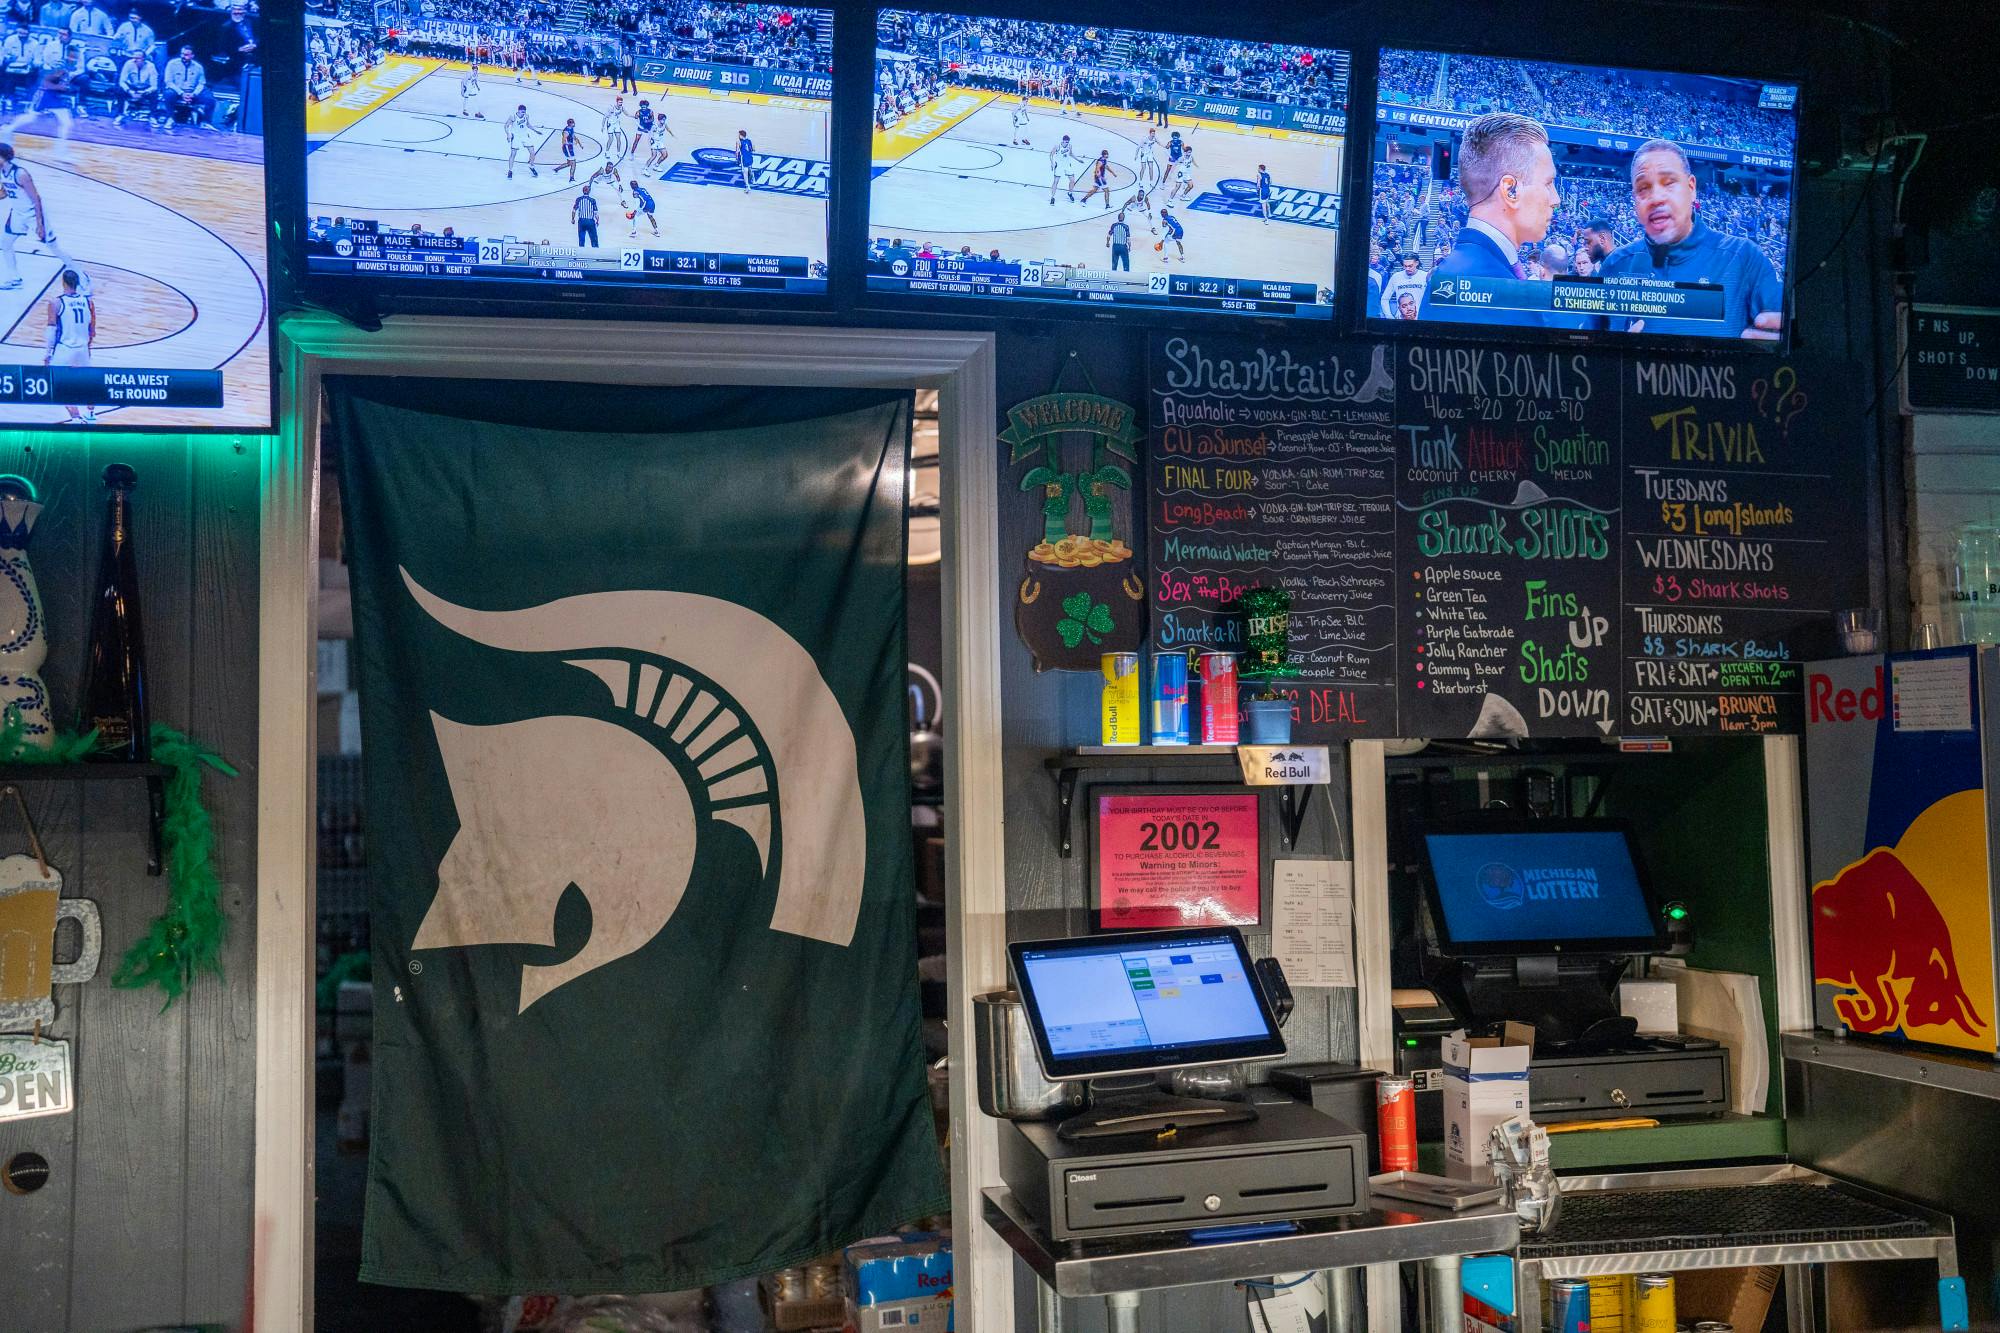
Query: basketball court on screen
{"points": [[393, 147], [949, 174], [174, 285]]}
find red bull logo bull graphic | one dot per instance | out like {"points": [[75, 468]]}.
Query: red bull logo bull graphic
{"points": [[1903, 933], [1878, 934]]}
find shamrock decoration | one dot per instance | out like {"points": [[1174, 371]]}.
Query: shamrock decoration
{"points": [[1083, 618]]}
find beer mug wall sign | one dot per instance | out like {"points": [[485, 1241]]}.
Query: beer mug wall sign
{"points": [[31, 906]]}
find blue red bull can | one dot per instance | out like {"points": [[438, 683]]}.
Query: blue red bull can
{"points": [[1569, 1305], [1170, 698]]}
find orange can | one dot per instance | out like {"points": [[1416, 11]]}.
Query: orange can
{"points": [[1396, 1115]]}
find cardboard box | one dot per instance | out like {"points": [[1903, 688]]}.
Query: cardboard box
{"points": [[1485, 1082], [902, 1283], [1737, 1296]]}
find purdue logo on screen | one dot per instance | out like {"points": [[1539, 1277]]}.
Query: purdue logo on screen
{"points": [[702, 687]]}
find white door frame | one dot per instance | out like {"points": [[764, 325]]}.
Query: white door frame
{"points": [[959, 365]]}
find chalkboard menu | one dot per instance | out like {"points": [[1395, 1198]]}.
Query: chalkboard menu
{"points": [[1951, 359], [1745, 509], [1274, 468], [1489, 542], [1508, 490]]}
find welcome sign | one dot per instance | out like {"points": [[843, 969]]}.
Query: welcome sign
{"points": [[34, 1078]]}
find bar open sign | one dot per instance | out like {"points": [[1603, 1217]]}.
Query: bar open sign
{"points": [[34, 1078]]}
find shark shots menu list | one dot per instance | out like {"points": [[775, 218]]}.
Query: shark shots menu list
{"points": [[1276, 469], [1508, 496], [1742, 524]]}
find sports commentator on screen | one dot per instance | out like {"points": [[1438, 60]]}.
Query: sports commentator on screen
{"points": [[1677, 246], [1507, 172]]}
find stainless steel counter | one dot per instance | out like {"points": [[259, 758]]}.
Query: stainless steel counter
{"points": [[1402, 1233]]}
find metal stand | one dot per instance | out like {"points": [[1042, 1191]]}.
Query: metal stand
{"points": [[1755, 1215], [1122, 1311], [1444, 1295]]}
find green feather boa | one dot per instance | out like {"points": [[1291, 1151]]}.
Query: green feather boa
{"points": [[185, 938]]}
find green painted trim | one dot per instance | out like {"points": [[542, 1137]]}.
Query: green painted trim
{"points": [[1673, 1143]]}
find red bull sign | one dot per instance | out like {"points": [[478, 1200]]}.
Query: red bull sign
{"points": [[1902, 904]]}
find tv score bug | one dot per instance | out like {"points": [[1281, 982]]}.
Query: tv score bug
{"points": [[110, 386]]}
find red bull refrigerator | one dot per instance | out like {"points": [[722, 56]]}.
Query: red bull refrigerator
{"points": [[1902, 792]]}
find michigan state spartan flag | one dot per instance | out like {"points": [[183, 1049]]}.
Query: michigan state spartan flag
{"points": [[632, 669]]}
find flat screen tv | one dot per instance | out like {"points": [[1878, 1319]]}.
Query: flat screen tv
{"points": [[1036, 164], [1539, 197], [680, 147], [132, 256]]}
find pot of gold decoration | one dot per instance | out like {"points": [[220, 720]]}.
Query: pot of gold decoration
{"points": [[1080, 593]]}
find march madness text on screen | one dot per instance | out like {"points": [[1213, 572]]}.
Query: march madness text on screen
{"points": [[1051, 162], [1533, 195], [676, 146]]}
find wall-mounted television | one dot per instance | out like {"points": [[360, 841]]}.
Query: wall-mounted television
{"points": [[1546, 198], [132, 252], [1036, 164], [676, 147]]}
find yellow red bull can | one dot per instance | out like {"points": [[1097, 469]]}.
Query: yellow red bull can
{"points": [[1652, 1304], [1120, 699], [1610, 1298]]}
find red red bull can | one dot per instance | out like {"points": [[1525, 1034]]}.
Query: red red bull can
{"points": [[1396, 1117], [1218, 698], [1170, 698], [1569, 1305]]}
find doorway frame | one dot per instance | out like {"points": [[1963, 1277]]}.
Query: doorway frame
{"points": [[312, 345]]}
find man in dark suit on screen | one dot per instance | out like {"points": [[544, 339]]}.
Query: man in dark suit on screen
{"points": [[1506, 171]]}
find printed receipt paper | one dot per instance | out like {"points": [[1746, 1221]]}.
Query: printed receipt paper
{"points": [[1312, 920]]}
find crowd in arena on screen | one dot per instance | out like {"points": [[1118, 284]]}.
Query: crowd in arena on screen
{"points": [[1398, 203], [1408, 76], [142, 63], [1112, 67], [1586, 99], [610, 36]]}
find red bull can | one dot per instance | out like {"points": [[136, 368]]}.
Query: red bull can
{"points": [[1569, 1305], [1218, 698], [1120, 698], [1652, 1304], [1609, 1299], [1170, 698], [1396, 1118]]}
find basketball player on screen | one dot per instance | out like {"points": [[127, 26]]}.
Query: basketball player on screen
{"points": [[67, 338], [1020, 139], [656, 140], [468, 88], [25, 215], [522, 133], [1099, 172], [617, 141], [569, 147]]}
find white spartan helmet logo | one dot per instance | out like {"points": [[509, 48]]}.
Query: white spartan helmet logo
{"points": [[554, 801]]}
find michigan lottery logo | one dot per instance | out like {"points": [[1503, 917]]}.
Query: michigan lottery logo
{"points": [[1500, 885], [768, 171], [1289, 203], [1505, 888]]}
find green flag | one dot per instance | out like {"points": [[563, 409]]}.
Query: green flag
{"points": [[631, 666]]}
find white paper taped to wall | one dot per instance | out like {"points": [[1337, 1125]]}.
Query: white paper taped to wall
{"points": [[1312, 920]]}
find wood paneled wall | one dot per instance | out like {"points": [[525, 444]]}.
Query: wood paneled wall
{"points": [[146, 1218]]}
